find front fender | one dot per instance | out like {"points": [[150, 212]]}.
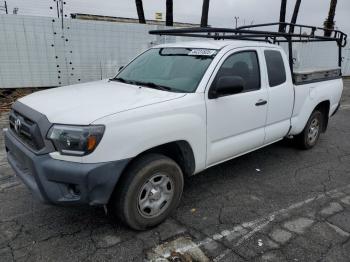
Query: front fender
{"points": [[130, 133]]}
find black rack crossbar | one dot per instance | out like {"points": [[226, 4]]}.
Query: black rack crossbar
{"points": [[230, 33], [305, 33], [338, 36]]}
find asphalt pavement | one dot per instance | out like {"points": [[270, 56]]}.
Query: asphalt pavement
{"points": [[276, 204]]}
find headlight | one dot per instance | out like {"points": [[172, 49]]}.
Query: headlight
{"points": [[75, 140]]}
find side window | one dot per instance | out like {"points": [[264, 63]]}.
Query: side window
{"points": [[275, 67], [244, 65]]}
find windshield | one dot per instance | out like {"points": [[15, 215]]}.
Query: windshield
{"points": [[172, 69]]}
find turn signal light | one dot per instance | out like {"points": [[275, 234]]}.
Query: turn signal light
{"points": [[91, 143]]}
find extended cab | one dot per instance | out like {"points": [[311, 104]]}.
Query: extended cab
{"points": [[173, 111]]}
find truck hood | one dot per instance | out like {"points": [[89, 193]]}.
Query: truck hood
{"points": [[84, 103]]}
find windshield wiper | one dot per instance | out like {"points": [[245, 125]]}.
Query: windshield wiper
{"points": [[119, 79], [153, 85], [140, 83]]}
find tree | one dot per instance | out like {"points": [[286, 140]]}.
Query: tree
{"points": [[282, 28], [329, 23], [295, 15], [140, 13], [169, 13], [205, 13]]}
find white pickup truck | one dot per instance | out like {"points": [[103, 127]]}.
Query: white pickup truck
{"points": [[175, 110]]}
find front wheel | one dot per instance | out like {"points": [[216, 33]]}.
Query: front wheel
{"points": [[311, 133], [150, 189]]}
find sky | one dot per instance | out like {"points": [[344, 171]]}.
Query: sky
{"points": [[222, 12]]}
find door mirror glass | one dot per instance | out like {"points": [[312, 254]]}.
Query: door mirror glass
{"points": [[228, 85]]}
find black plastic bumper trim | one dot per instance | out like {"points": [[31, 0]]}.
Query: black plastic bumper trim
{"points": [[51, 180]]}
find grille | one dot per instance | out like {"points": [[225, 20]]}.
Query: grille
{"points": [[26, 130]]}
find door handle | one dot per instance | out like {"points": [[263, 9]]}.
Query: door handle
{"points": [[261, 102]]}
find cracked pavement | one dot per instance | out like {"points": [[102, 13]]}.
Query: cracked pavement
{"points": [[275, 204]]}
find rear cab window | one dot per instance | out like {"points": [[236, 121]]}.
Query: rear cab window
{"points": [[276, 70]]}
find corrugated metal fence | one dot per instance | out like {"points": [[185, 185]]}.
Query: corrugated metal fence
{"points": [[41, 52], [346, 61]]}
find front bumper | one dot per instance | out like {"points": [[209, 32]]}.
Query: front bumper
{"points": [[62, 182]]}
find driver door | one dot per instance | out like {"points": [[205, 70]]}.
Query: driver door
{"points": [[236, 123]]}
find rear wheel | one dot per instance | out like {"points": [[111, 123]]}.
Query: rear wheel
{"points": [[311, 133], [150, 189]]}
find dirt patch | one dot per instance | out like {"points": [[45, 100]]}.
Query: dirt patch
{"points": [[9, 96]]}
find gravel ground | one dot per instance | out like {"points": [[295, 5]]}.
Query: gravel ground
{"points": [[275, 204]]}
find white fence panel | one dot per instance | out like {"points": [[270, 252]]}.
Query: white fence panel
{"points": [[96, 50], [316, 55], [319, 55], [26, 59], [346, 61], [38, 52]]}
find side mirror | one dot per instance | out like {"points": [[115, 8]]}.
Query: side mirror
{"points": [[120, 68], [227, 85]]}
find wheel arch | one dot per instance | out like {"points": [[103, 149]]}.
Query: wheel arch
{"points": [[299, 121], [180, 151], [324, 108]]}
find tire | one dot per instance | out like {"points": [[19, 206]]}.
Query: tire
{"points": [[311, 133], [149, 191]]}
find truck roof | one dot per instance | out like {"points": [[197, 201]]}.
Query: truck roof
{"points": [[215, 44]]}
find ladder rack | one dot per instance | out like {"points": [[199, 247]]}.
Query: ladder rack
{"points": [[290, 33]]}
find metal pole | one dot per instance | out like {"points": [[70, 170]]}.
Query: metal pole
{"points": [[205, 13], [295, 16], [58, 10], [61, 12], [290, 51], [282, 27], [169, 20], [329, 23], [101, 69], [340, 55], [6, 8], [236, 18]]}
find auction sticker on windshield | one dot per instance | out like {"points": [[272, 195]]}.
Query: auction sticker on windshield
{"points": [[202, 52]]}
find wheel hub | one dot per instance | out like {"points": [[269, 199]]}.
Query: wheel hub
{"points": [[313, 131], [155, 195]]}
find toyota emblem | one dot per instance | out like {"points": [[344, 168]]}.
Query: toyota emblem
{"points": [[18, 125]]}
